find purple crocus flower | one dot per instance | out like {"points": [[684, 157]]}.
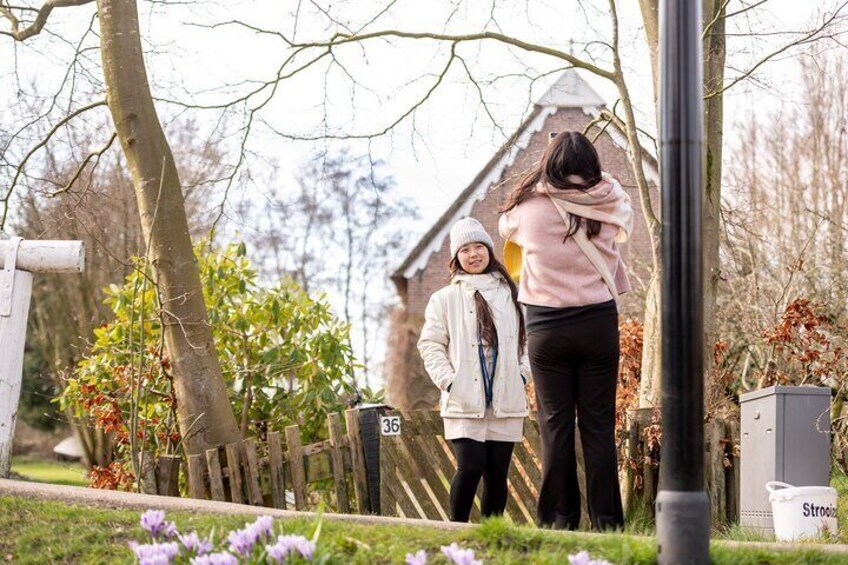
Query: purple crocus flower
{"points": [[242, 541], [169, 531], [459, 556], [417, 558], [262, 526], [583, 558], [194, 543], [222, 558], [288, 546], [155, 553], [153, 521]]}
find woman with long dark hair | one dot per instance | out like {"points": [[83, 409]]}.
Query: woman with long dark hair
{"points": [[569, 217], [473, 347]]}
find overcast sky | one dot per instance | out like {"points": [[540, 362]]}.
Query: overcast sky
{"points": [[195, 57], [437, 151]]}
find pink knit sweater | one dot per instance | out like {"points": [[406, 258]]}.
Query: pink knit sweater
{"points": [[558, 274]]}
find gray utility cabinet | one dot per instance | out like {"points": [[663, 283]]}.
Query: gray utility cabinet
{"points": [[785, 437]]}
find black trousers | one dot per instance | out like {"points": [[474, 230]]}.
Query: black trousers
{"points": [[475, 459], [575, 369]]}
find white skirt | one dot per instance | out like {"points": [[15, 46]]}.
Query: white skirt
{"points": [[487, 428]]}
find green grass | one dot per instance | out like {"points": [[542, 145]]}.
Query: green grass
{"points": [[737, 532], [42, 470], [840, 483], [49, 532], [640, 522]]}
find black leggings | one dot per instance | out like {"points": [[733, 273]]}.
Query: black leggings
{"points": [[575, 370], [475, 459]]}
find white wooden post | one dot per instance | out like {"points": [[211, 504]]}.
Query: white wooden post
{"points": [[19, 259]]}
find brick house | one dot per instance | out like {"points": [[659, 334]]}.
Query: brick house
{"points": [[570, 104]]}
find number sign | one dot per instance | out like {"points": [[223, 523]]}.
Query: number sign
{"points": [[390, 425]]}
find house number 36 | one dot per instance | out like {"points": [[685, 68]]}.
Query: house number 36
{"points": [[390, 425]]}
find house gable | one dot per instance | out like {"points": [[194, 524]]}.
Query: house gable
{"points": [[426, 269], [570, 95]]}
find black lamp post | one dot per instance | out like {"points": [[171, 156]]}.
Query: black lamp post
{"points": [[683, 520]]}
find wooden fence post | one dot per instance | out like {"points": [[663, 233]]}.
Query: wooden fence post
{"points": [[196, 480], [585, 520], [252, 473], [298, 471], [634, 502], [216, 481], [639, 449], [733, 474], [275, 467], [357, 457], [146, 472], [168, 475], [715, 475], [334, 425], [234, 472]]}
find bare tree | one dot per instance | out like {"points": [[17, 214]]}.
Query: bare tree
{"points": [[602, 56], [607, 65], [345, 228], [784, 313], [101, 210], [790, 188], [716, 14], [786, 222], [205, 414]]}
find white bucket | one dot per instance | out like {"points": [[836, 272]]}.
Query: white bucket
{"points": [[802, 512]]}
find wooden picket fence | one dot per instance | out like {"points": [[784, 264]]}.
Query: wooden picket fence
{"points": [[406, 469], [417, 466], [406, 475], [263, 474]]}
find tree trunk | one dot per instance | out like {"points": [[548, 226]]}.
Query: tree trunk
{"points": [[649, 385], [205, 415], [714, 63], [651, 20], [651, 373]]}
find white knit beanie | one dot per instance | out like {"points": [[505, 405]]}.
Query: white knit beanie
{"points": [[468, 230]]}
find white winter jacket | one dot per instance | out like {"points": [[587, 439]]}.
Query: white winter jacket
{"points": [[448, 346]]}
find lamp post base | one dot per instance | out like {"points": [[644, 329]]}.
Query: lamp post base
{"points": [[683, 527]]}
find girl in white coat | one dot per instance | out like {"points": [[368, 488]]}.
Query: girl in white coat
{"points": [[473, 347]]}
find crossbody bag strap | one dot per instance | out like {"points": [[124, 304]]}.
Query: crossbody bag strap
{"points": [[588, 248]]}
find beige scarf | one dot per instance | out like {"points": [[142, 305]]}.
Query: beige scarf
{"points": [[605, 202]]}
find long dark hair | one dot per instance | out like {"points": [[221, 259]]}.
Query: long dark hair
{"points": [[570, 153], [485, 319]]}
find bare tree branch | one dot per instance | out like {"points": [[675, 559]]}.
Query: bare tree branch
{"points": [[806, 38], [39, 145], [718, 15], [43, 13], [630, 130], [439, 78], [745, 9], [93, 155], [345, 38]]}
